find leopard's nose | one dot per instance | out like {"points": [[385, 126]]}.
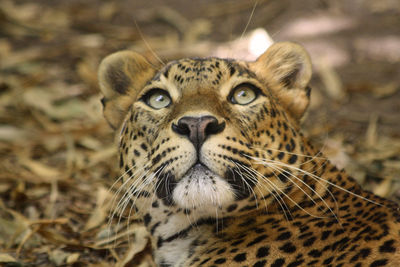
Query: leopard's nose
{"points": [[197, 129]]}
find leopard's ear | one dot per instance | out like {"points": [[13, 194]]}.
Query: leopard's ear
{"points": [[286, 69], [121, 76]]}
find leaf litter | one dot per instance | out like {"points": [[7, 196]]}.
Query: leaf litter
{"points": [[57, 155]]}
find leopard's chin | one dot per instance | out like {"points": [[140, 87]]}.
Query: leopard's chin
{"points": [[202, 190]]}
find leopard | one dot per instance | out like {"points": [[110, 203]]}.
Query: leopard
{"points": [[214, 163]]}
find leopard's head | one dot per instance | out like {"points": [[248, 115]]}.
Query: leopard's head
{"points": [[202, 135]]}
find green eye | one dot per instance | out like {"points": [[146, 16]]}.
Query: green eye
{"points": [[243, 94], [157, 99]]}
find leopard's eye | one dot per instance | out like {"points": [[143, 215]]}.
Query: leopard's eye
{"points": [[157, 98], [243, 94]]}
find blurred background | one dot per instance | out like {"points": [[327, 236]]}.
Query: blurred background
{"points": [[57, 157]]}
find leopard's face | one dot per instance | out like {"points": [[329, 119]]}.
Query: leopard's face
{"points": [[201, 135]]}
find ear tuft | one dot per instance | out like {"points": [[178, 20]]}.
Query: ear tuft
{"points": [[286, 68], [121, 76]]}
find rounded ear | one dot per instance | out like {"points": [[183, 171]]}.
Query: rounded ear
{"points": [[121, 76], [286, 69]]}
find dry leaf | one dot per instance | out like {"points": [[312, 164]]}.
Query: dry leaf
{"points": [[140, 238], [13, 226], [101, 211], [46, 172], [6, 258]]}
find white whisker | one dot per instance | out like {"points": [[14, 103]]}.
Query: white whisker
{"points": [[283, 206], [147, 44], [250, 18], [309, 187], [261, 161]]}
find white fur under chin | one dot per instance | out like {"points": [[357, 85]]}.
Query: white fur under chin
{"points": [[204, 190]]}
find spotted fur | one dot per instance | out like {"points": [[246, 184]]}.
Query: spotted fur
{"points": [[222, 183]]}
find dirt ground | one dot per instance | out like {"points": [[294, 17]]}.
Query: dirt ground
{"points": [[57, 157]]}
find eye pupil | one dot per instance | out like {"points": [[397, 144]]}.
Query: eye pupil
{"points": [[157, 98], [160, 98], [244, 94]]}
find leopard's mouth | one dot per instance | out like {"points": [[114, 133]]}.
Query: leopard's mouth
{"points": [[198, 168], [202, 189], [199, 171]]}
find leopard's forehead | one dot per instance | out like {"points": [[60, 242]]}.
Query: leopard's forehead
{"points": [[203, 72]]}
